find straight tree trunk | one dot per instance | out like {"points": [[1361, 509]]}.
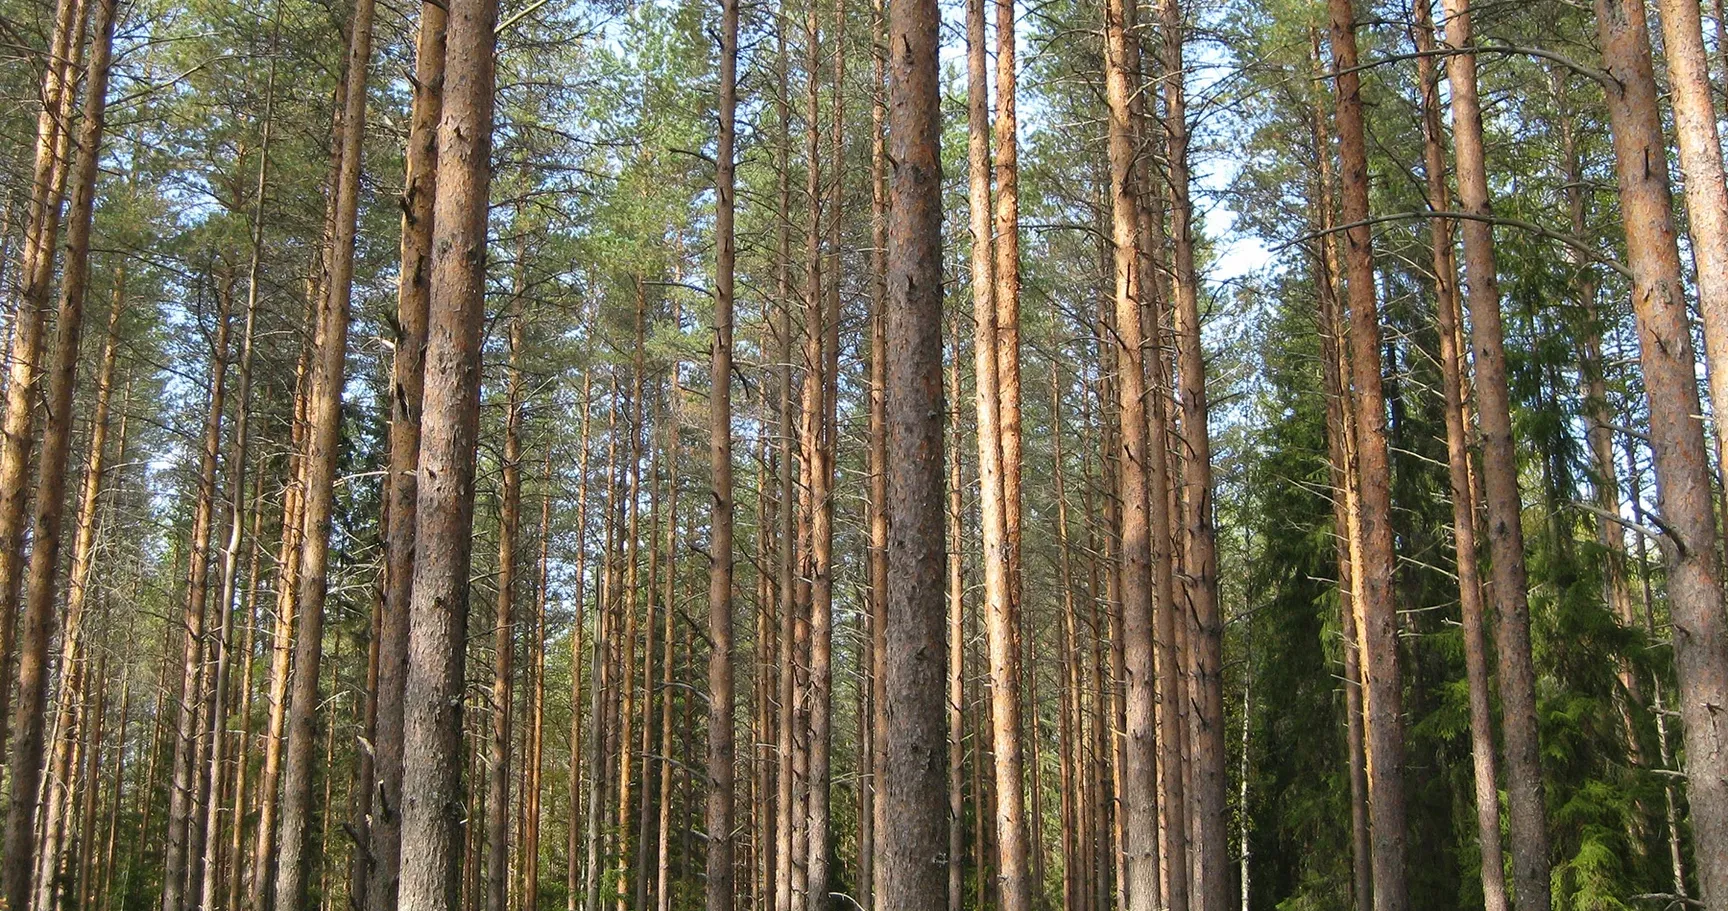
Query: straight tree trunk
{"points": [[401, 482], [324, 416], [23, 367], [786, 789], [504, 626], [438, 615], [910, 877], [28, 714], [535, 758], [217, 710], [1376, 608], [183, 803], [1511, 587], [956, 593], [1683, 494], [1142, 487], [1002, 623], [1207, 803], [722, 701], [878, 495], [1695, 133], [1484, 761], [818, 462], [573, 872]]}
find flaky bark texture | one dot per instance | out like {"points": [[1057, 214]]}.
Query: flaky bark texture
{"points": [[30, 711], [438, 617], [1466, 118], [401, 481], [1683, 489], [324, 419], [911, 872], [1376, 608], [722, 748]]}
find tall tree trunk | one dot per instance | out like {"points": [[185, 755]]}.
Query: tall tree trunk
{"points": [[28, 714], [438, 615], [407, 381], [504, 625], [1376, 608], [324, 416], [1700, 147], [956, 592], [573, 872], [183, 803], [72, 643], [1142, 485], [786, 846], [1208, 802], [722, 701], [1517, 669], [535, 758], [24, 361], [819, 463], [877, 646], [909, 876], [1683, 493], [1001, 622], [282, 638], [1452, 365]]}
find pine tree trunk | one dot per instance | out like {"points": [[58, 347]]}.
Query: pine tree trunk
{"points": [[1001, 621], [324, 417], [534, 787], [401, 481], [1208, 802], [722, 701], [909, 876], [29, 712], [1375, 598], [432, 694], [1683, 490], [183, 803], [956, 598], [1452, 366], [573, 872], [873, 824], [1700, 148], [23, 373], [504, 625], [1517, 671]]}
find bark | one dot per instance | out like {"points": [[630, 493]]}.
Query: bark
{"points": [[50, 510], [1376, 608], [872, 825], [27, 721], [533, 775], [438, 613], [23, 368], [1517, 671], [722, 700], [956, 593], [910, 876], [1142, 489], [401, 482], [1683, 494], [1208, 802], [324, 416], [504, 625], [819, 446], [573, 872], [178, 882], [1700, 147], [1484, 761], [785, 566]]}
